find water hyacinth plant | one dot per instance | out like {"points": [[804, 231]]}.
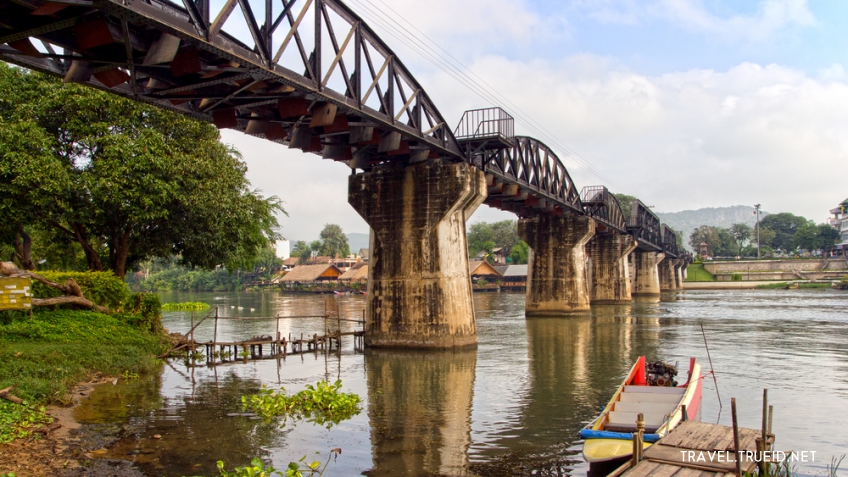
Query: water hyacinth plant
{"points": [[321, 404]]}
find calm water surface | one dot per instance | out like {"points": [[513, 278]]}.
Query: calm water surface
{"points": [[511, 407]]}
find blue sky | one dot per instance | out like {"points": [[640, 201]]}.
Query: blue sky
{"points": [[683, 103]]}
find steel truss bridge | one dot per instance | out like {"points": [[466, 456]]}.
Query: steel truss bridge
{"points": [[306, 73]]}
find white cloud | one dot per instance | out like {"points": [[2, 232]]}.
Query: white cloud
{"points": [[699, 138], [770, 18]]}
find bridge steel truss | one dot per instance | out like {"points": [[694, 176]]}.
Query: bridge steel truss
{"points": [[644, 225], [601, 205], [669, 243], [526, 177], [354, 102], [178, 56]]}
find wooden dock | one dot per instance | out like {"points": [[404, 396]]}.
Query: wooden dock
{"points": [[701, 449], [267, 346]]}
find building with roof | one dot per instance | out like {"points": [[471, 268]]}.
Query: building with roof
{"points": [[839, 221], [481, 269], [355, 274], [515, 274], [312, 273]]}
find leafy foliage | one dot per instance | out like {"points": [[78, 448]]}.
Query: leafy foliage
{"points": [[334, 241], [784, 225], [179, 278], [146, 311], [321, 404], [484, 236], [103, 288], [126, 181], [520, 252], [18, 420]]}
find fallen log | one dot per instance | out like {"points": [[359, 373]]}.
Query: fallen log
{"points": [[70, 289], [7, 395]]}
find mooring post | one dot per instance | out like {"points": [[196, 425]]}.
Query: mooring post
{"points": [[278, 335], [736, 437], [191, 333], [215, 335]]}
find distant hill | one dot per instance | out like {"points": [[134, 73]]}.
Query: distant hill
{"points": [[357, 241], [688, 220]]}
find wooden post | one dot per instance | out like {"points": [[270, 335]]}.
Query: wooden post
{"points": [[771, 415], [763, 445], [215, 335], [638, 438], [685, 415], [278, 334], [191, 338], [736, 437]]}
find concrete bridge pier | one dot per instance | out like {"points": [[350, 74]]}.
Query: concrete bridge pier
{"points": [[679, 266], [419, 288], [668, 277], [556, 278], [610, 282], [646, 279]]}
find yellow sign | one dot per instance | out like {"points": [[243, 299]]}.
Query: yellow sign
{"points": [[15, 293]]}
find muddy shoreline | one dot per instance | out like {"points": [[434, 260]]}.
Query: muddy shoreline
{"points": [[67, 448]]}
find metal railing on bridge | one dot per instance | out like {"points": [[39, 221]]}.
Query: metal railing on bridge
{"points": [[486, 124], [600, 204]]}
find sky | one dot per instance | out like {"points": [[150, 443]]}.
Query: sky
{"points": [[682, 103]]}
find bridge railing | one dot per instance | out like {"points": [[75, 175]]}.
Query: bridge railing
{"points": [[486, 123]]}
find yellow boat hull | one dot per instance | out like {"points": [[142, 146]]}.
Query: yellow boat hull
{"points": [[602, 450]]}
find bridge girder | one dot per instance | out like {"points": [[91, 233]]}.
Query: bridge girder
{"points": [[669, 242]]}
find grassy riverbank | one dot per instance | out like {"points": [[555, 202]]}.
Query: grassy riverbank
{"points": [[696, 273]]}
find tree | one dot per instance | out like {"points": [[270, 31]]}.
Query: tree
{"points": [[812, 237], [334, 241], [741, 232], [520, 252], [719, 241], [484, 236], [301, 250], [126, 181], [625, 202], [784, 225]]}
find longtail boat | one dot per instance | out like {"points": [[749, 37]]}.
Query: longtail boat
{"points": [[653, 394]]}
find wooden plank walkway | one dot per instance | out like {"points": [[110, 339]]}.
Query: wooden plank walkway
{"points": [[696, 449]]}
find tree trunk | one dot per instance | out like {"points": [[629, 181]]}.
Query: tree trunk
{"points": [[91, 255], [119, 253], [23, 249]]}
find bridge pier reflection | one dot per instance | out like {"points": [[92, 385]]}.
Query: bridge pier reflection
{"points": [[556, 277], [419, 288], [419, 407]]}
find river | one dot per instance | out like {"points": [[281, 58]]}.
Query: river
{"points": [[511, 407]]}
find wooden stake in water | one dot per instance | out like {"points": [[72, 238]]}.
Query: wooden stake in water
{"points": [[736, 437]]}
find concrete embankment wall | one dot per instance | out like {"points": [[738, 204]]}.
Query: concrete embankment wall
{"points": [[778, 270]]}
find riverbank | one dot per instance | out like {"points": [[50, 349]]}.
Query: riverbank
{"points": [[47, 357]]}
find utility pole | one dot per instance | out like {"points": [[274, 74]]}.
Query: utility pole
{"points": [[757, 211]]}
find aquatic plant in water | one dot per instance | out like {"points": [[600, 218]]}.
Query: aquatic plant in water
{"points": [[321, 404], [188, 305]]}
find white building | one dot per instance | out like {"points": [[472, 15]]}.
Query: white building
{"points": [[283, 248], [839, 221]]}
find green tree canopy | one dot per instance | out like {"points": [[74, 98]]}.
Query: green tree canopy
{"points": [[126, 181], [784, 225], [301, 250], [625, 201], [484, 236], [741, 233], [334, 241], [520, 253], [720, 241], [813, 237]]}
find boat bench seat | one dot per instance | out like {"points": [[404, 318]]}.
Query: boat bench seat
{"points": [[645, 407], [654, 389], [650, 397], [622, 421]]}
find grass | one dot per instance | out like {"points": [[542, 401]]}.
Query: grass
{"points": [[696, 273], [46, 355], [780, 285]]}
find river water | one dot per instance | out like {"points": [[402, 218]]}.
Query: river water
{"points": [[511, 407]]}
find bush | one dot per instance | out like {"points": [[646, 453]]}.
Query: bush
{"points": [[736, 277], [103, 288], [146, 311]]}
